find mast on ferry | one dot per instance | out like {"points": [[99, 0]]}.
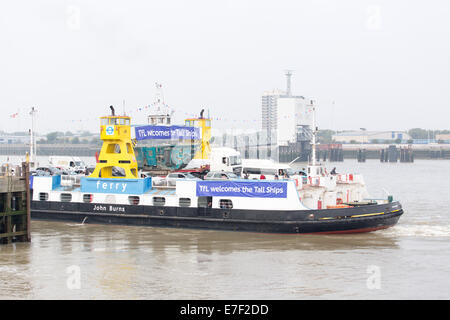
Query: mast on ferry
{"points": [[162, 113], [314, 169], [314, 132]]}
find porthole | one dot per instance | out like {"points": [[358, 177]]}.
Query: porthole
{"points": [[225, 204], [133, 200], [159, 201], [88, 198], [185, 202], [43, 196], [66, 197]]}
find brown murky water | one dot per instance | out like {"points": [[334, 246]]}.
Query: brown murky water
{"points": [[408, 261]]}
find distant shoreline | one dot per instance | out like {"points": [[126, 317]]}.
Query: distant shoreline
{"points": [[426, 151]]}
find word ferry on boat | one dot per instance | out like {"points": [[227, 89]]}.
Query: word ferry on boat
{"points": [[319, 202]]}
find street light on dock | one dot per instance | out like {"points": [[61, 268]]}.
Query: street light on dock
{"points": [[32, 139]]}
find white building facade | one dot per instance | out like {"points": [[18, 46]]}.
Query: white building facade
{"points": [[285, 118], [292, 115], [269, 103]]}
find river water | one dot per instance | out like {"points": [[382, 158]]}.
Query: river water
{"points": [[408, 261]]}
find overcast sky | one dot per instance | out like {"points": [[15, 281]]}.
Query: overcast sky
{"points": [[385, 64]]}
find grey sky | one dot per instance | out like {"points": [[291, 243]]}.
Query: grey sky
{"points": [[386, 64]]}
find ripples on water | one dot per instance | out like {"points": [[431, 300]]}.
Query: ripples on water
{"points": [[408, 261]]}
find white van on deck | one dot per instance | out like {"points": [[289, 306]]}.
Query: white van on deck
{"points": [[254, 168], [67, 162]]}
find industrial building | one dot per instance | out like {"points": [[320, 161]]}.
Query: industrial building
{"points": [[14, 139], [443, 137], [363, 136], [287, 119], [294, 117]]}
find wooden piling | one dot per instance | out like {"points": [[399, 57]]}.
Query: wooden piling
{"points": [[361, 155], [15, 205]]}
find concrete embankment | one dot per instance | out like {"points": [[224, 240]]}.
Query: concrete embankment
{"points": [[420, 151], [350, 151]]}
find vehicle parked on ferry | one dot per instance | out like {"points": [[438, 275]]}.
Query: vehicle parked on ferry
{"points": [[254, 168], [172, 178], [67, 162], [220, 175], [51, 170]]}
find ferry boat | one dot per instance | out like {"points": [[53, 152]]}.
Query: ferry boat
{"points": [[323, 203]]}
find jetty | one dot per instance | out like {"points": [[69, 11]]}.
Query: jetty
{"points": [[15, 203]]}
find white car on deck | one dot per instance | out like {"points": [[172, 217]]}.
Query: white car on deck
{"points": [[220, 175], [172, 178]]}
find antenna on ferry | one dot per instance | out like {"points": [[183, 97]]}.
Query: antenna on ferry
{"points": [[112, 110]]}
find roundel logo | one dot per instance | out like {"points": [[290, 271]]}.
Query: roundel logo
{"points": [[109, 130]]}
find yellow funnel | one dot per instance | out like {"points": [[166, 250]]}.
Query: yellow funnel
{"points": [[117, 149], [205, 125]]}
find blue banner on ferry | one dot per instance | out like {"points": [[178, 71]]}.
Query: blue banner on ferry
{"points": [[115, 185], [251, 189], [167, 132]]}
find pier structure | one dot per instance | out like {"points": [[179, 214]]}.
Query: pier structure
{"points": [[15, 203], [331, 152], [361, 155], [394, 154], [389, 154], [406, 154]]}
